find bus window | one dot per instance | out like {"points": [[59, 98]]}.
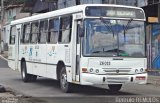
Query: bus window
{"points": [[22, 35], [12, 35], [26, 33], [65, 29], [43, 31], [53, 31], [34, 32]]}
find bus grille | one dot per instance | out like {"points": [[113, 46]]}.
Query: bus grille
{"points": [[117, 71], [117, 79]]}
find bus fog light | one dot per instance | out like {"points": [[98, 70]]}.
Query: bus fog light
{"points": [[97, 71], [91, 69], [136, 71]]}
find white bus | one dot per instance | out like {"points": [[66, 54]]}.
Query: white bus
{"points": [[85, 44]]}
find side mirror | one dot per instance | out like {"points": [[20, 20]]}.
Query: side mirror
{"points": [[80, 29]]}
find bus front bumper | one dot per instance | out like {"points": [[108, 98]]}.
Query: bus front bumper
{"points": [[92, 79]]}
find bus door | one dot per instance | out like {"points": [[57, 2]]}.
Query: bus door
{"points": [[77, 18], [17, 42]]}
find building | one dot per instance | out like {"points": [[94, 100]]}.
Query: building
{"points": [[41, 6], [152, 11], [67, 3], [10, 12]]}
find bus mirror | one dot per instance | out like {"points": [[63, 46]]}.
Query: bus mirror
{"points": [[80, 30]]}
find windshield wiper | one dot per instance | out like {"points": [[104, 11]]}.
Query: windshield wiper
{"points": [[114, 50], [126, 27], [129, 22], [107, 26]]}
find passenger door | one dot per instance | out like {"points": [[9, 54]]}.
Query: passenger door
{"points": [[17, 42], [77, 18], [14, 47]]}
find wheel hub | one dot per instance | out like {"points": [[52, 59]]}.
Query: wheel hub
{"points": [[64, 80]]}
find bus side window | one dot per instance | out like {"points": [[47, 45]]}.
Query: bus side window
{"points": [[22, 35], [53, 31], [26, 33], [12, 35], [34, 32], [43, 31], [65, 29]]}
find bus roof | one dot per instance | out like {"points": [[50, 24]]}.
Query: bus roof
{"points": [[69, 10]]}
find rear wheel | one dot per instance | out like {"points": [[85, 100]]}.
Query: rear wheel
{"points": [[64, 84], [25, 76], [114, 87]]}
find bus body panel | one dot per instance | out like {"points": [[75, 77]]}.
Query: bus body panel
{"points": [[54, 55], [114, 70], [42, 58]]}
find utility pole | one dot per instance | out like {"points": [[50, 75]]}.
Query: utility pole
{"points": [[2, 11], [2, 17], [115, 1], [136, 3]]}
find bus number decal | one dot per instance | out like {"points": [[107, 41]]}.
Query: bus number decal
{"points": [[105, 63]]}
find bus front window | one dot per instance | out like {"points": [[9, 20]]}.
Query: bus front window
{"points": [[114, 38]]}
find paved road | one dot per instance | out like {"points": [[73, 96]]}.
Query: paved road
{"points": [[44, 87], [3, 63]]}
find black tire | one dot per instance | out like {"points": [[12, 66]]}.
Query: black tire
{"points": [[25, 76], [114, 87], [64, 84]]}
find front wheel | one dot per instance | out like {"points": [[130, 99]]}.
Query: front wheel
{"points": [[25, 76], [114, 87], [64, 84]]}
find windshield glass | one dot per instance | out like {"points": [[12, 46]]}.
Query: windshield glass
{"points": [[106, 37]]}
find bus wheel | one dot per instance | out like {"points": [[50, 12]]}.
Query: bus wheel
{"points": [[64, 84], [25, 76], [114, 87]]}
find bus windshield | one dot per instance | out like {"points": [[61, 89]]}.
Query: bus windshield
{"points": [[108, 37]]}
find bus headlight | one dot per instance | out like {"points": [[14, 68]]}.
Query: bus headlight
{"points": [[136, 71], [97, 70], [141, 70], [91, 70]]}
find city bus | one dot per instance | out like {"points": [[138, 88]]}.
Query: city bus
{"points": [[91, 44]]}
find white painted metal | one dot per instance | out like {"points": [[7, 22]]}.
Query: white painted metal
{"points": [[42, 59]]}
